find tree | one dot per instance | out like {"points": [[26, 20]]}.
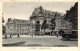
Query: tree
{"points": [[37, 26], [2, 20], [44, 25], [3, 28], [4, 31], [72, 16], [52, 26]]}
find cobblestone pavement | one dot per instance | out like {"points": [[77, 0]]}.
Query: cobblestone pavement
{"points": [[40, 41]]}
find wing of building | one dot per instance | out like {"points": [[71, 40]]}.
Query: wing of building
{"points": [[17, 26]]}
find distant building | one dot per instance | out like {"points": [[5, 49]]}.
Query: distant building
{"points": [[17, 26], [66, 24]]}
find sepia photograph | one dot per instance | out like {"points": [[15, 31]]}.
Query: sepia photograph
{"points": [[40, 24]]}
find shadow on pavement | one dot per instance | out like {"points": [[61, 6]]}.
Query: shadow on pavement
{"points": [[69, 40], [14, 44], [60, 46], [33, 45]]}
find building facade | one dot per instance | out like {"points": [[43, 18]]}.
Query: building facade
{"points": [[17, 26], [40, 14], [27, 27]]}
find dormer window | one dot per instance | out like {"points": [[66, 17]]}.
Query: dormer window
{"points": [[9, 19]]}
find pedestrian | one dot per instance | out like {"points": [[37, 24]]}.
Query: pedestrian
{"points": [[57, 35], [18, 36], [10, 36]]}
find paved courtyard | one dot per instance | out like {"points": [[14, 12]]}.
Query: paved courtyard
{"points": [[39, 41]]}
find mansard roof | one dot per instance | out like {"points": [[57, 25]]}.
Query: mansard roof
{"points": [[44, 13], [10, 20], [21, 21], [18, 21]]}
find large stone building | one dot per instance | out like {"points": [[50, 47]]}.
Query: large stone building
{"points": [[40, 14], [17, 26]]}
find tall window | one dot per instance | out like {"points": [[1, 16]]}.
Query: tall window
{"points": [[33, 22]]}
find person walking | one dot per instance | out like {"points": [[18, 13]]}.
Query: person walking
{"points": [[10, 36], [18, 36]]}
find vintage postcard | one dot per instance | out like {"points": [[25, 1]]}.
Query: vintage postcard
{"points": [[40, 25]]}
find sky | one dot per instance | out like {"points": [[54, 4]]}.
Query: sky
{"points": [[23, 10]]}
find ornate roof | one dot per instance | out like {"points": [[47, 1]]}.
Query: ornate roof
{"points": [[40, 7]]}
